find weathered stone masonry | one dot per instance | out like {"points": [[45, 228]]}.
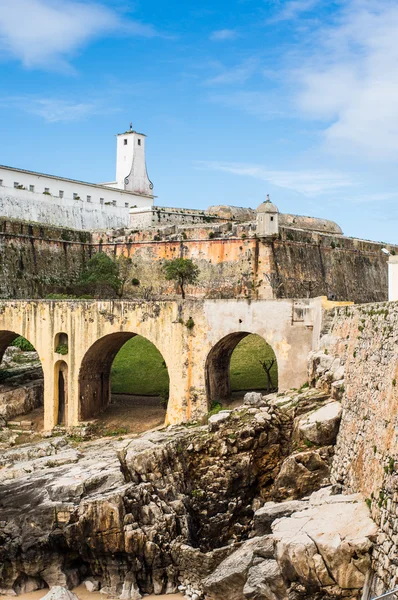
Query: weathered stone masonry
{"points": [[364, 339], [36, 260], [96, 330]]}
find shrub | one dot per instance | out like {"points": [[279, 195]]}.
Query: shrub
{"points": [[23, 344], [62, 349]]}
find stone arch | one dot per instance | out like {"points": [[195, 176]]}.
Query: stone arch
{"points": [[61, 392], [61, 342], [33, 398], [95, 373], [217, 368]]}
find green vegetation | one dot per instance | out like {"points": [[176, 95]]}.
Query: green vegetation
{"points": [[139, 369], [62, 349], [190, 324], [104, 277], [215, 408], [181, 270], [23, 344], [246, 370]]}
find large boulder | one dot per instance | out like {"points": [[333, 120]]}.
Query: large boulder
{"points": [[267, 514], [265, 582], [229, 579], [327, 544], [321, 426], [303, 473]]}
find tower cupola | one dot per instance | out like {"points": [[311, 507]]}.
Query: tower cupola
{"points": [[267, 218]]}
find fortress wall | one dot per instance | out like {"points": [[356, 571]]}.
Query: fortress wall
{"points": [[299, 264], [36, 259], [365, 339]]}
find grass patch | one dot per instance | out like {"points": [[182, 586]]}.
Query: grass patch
{"points": [[245, 369], [139, 369]]}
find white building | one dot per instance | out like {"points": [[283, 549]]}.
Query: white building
{"points": [[52, 200]]}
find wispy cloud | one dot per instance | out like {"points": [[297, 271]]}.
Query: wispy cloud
{"points": [[46, 33], [350, 80], [292, 10], [309, 183], [235, 75], [222, 35], [55, 110], [259, 104]]}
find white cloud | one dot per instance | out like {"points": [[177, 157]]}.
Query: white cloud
{"points": [[309, 183], [292, 10], [55, 110], [351, 80], [221, 35], [45, 33], [235, 75]]}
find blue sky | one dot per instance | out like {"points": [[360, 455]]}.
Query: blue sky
{"points": [[296, 98]]}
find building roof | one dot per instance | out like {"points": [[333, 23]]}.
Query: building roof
{"points": [[267, 207], [98, 185]]}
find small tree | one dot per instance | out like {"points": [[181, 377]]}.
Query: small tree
{"points": [[181, 270], [101, 274], [124, 272], [267, 366]]}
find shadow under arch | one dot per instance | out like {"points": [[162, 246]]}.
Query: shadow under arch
{"points": [[61, 391], [95, 373], [217, 368]]}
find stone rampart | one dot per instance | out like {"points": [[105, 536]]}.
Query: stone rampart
{"points": [[363, 342], [36, 260]]}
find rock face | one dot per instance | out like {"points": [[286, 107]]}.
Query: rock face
{"points": [[59, 593], [321, 426], [265, 516], [303, 473], [229, 579], [186, 508], [21, 394], [327, 544], [120, 511]]}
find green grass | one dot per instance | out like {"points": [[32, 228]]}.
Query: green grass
{"points": [[139, 369], [246, 371]]}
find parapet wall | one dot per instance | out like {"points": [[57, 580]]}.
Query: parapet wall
{"points": [[365, 340]]}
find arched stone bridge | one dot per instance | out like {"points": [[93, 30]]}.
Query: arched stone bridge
{"points": [[197, 359]]}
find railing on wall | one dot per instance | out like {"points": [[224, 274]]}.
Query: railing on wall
{"points": [[387, 595]]}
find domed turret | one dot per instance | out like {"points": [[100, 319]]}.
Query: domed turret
{"points": [[267, 218]]}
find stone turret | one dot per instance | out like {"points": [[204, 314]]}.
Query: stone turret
{"points": [[267, 218]]}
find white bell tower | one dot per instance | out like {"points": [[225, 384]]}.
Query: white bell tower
{"points": [[131, 173]]}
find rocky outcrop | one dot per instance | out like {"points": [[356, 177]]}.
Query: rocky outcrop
{"points": [[186, 508], [229, 579], [320, 551], [117, 511], [327, 545], [265, 516], [303, 473], [59, 593], [319, 427]]}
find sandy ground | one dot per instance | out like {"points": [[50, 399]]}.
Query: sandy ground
{"points": [[135, 413], [83, 594]]}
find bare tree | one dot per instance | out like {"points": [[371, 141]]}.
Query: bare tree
{"points": [[267, 366]]}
